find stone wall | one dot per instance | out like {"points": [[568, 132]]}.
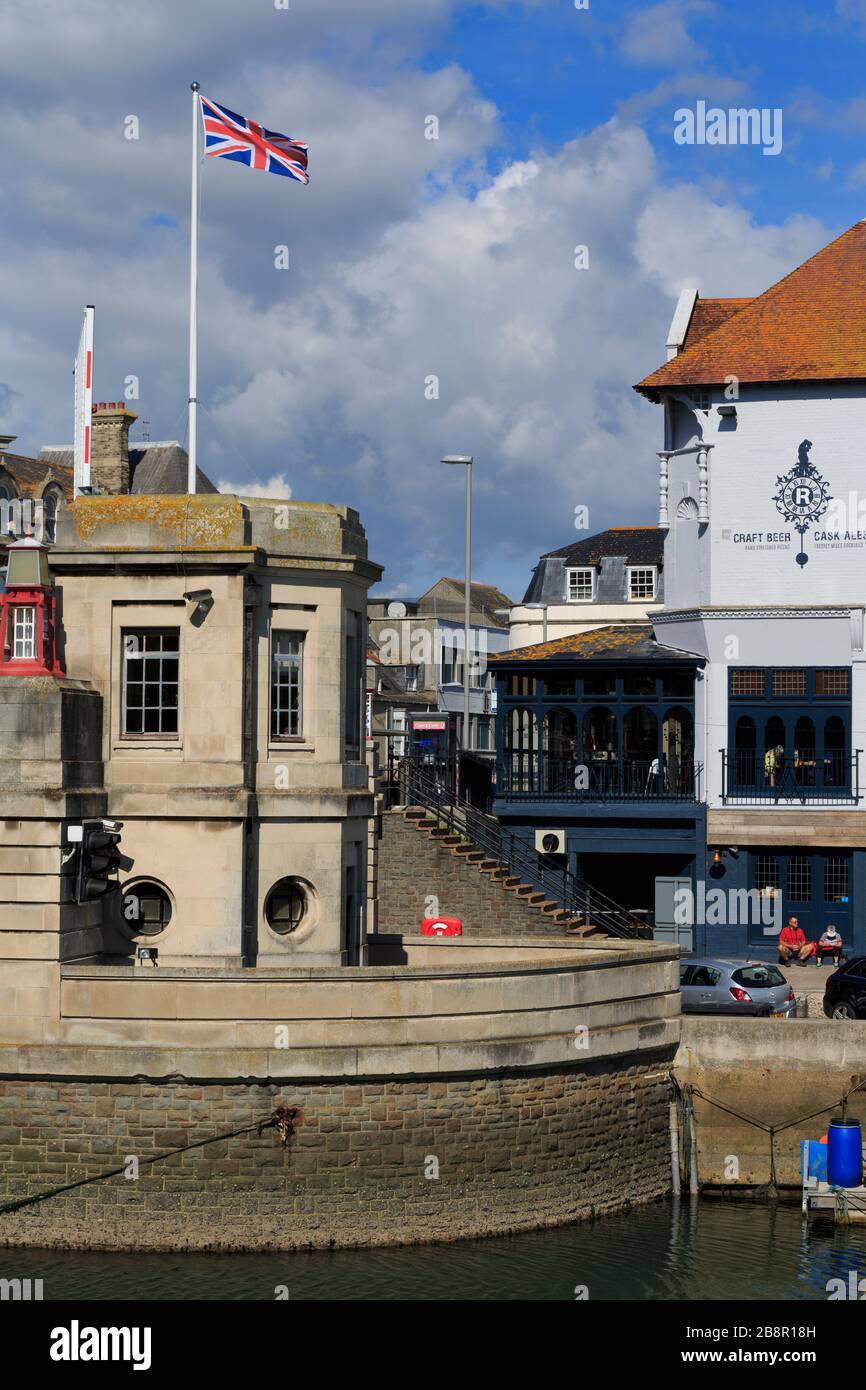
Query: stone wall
{"points": [[513, 1151], [754, 1073], [412, 868]]}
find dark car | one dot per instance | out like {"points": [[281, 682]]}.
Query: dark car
{"points": [[845, 990]]}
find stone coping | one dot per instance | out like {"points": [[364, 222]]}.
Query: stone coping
{"points": [[534, 954]]}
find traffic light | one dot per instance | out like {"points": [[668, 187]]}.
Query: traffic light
{"points": [[98, 858]]}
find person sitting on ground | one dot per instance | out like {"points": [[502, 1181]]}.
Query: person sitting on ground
{"points": [[830, 944], [793, 945]]}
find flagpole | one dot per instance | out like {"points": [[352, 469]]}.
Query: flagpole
{"points": [[193, 290]]}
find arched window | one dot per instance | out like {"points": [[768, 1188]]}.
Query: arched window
{"points": [[50, 502], [678, 748], [559, 745], [521, 748], [640, 751], [804, 751], [835, 753], [746, 771], [775, 752], [600, 748]]}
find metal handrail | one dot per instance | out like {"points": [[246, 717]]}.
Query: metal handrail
{"points": [[745, 778], [513, 854]]}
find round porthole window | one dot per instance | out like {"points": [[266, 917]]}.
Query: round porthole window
{"points": [[145, 907], [287, 906]]}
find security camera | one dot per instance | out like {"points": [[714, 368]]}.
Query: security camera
{"points": [[199, 595]]}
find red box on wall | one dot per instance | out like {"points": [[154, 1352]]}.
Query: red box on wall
{"points": [[441, 926]]}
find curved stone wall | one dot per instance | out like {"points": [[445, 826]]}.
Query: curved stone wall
{"points": [[462, 1095]]}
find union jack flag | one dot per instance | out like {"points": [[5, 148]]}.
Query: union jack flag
{"points": [[229, 136]]}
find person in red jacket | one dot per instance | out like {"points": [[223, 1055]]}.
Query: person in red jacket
{"points": [[793, 945]]}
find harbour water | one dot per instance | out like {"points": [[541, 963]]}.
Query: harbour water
{"points": [[670, 1251]]}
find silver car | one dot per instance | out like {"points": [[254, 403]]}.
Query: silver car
{"points": [[713, 986]]}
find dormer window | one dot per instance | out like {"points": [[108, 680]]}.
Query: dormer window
{"points": [[580, 585], [642, 582]]}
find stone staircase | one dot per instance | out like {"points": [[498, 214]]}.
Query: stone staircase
{"points": [[541, 913]]}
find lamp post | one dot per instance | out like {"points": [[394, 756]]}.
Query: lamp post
{"points": [[466, 461]]}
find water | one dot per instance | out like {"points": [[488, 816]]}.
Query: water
{"points": [[711, 1250]]}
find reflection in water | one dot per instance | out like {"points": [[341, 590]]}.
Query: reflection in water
{"points": [[685, 1249]]}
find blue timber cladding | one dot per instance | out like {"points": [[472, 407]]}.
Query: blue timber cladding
{"points": [[595, 737]]}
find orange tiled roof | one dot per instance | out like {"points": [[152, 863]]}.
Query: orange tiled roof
{"points": [[811, 326], [708, 315]]}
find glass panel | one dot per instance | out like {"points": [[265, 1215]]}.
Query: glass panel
{"points": [[560, 685], [832, 682], [745, 682], [286, 684], [836, 879], [678, 685], [639, 685], [799, 878], [767, 873], [789, 682], [150, 671], [599, 683]]}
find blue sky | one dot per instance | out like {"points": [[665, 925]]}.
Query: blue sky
{"points": [[410, 258]]}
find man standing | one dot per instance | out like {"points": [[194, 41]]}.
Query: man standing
{"points": [[793, 945]]}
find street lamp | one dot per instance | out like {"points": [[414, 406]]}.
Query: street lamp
{"points": [[466, 461]]}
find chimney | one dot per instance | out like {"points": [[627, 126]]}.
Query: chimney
{"points": [[109, 447]]}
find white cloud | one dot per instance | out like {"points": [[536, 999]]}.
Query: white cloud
{"points": [[658, 36], [274, 487], [408, 260]]}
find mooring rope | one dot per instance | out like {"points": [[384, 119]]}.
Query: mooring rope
{"points": [[282, 1120], [686, 1092]]}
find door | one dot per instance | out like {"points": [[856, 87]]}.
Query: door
{"points": [[675, 912]]}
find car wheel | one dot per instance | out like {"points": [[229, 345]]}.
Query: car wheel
{"points": [[843, 1009]]}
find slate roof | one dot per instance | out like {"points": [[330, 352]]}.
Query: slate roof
{"points": [[159, 466], [637, 544], [623, 642], [810, 326], [30, 474]]}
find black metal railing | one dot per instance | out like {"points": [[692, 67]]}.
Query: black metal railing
{"points": [[818, 778], [545, 777], [518, 857]]}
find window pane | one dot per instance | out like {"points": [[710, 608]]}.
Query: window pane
{"points": [[789, 682], [836, 879], [800, 878], [150, 681], [745, 682], [678, 685], [766, 872], [831, 682], [286, 665]]}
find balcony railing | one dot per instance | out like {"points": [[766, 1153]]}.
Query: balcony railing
{"points": [[805, 776], [534, 777]]}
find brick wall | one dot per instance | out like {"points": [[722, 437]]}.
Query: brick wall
{"points": [[412, 867], [514, 1152]]}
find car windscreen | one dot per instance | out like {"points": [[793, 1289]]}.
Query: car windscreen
{"points": [[759, 976]]}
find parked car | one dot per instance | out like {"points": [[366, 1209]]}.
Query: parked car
{"points": [[712, 986], [845, 990]]}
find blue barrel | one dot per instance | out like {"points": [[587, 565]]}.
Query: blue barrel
{"points": [[844, 1153]]}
